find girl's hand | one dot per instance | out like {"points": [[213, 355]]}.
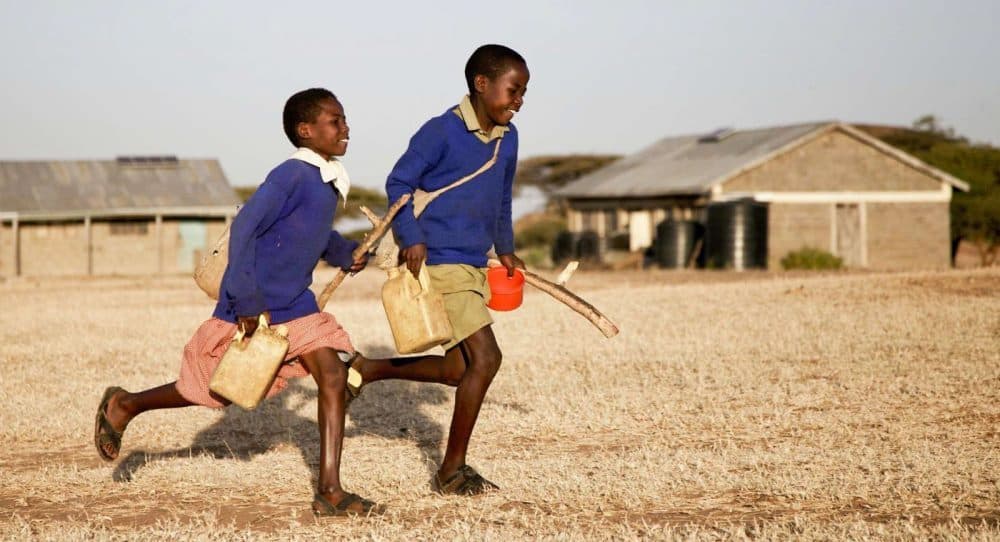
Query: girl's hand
{"points": [[414, 257], [359, 264], [511, 261], [249, 323]]}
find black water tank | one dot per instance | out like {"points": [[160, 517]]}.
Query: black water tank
{"points": [[588, 248], [675, 242], [564, 248], [736, 235]]}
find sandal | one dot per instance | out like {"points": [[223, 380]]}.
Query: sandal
{"points": [[354, 381], [322, 507], [104, 432], [465, 481]]}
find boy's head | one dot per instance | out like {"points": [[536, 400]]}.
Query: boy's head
{"points": [[492, 61], [315, 119], [497, 78]]}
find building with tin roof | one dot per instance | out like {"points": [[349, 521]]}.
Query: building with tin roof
{"points": [[129, 216], [825, 185]]}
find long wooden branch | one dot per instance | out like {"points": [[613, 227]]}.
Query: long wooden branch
{"points": [[371, 239], [571, 300]]}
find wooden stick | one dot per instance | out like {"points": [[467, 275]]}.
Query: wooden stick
{"points": [[567, 272], [372, 217], [371, 239], [571, 300]]}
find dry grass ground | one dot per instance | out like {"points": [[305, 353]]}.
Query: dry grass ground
{"points": [[732, 405]]}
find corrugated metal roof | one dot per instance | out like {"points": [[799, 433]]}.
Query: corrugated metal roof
{"points": [[688, 164], [103, 185]]}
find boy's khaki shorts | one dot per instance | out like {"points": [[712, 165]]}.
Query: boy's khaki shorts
{"points": [[465, 294]]}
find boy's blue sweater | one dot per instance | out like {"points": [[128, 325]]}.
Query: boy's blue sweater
{"points": [[463, 223], [275, 242]]}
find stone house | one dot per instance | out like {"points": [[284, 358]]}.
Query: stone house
{"points": [[129, 216], [826, 185]]}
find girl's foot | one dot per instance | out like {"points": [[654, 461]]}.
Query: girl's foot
{"points": [[464, 481], [342, 503], [109, 424]]}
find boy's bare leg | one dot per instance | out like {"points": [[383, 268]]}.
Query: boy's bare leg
{"points": [[470, 366], [331, 377], [123, 406], [447, 369], [484, 357]]}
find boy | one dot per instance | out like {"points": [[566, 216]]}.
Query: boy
{"points": [[275, 242], [453, 235]]}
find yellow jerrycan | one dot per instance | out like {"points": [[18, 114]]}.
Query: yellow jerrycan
{"points": [[248, 367], [415, 311]]}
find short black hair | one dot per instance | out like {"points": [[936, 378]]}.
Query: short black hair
{"points": [[492, 61], [303, 106]]}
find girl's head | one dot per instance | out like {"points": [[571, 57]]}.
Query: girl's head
{"points": [[315, 119]]}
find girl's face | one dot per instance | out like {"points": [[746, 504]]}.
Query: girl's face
{"points": [[502, 96], [328, 133]]}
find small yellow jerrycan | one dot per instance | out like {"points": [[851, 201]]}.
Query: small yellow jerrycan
{"points": [[415, 311], [248, 367]]}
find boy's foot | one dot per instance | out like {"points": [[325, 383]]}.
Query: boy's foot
{"points": [[107, 438], [465, 481], [354, 380], [348, 505]]}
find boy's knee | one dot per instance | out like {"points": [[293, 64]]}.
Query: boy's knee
{"points": [[487, 361]]}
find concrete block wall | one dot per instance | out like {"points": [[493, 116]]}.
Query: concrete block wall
{"points": [[53, 249], [60, 249], [792, 226], [833, 162], [908, 235], [6, 250]]}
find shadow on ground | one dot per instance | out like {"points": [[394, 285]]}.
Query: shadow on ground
{"points": [[388, 409]]}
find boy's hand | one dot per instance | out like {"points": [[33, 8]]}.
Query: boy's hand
{"points": [[414, 257], [359, 264], [249, 323], [511, 261]]}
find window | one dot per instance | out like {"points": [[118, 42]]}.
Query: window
{"points": [[129, 227]]}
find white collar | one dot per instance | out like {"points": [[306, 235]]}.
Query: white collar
{"points": [[331, 171]]}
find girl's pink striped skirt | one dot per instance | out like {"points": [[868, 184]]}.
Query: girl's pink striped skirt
{"points": [[204, 351]]}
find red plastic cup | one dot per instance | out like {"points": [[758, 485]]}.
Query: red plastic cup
{"points": [[506, 293]]}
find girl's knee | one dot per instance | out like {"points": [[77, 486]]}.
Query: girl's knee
{"points": [[329, 371]]}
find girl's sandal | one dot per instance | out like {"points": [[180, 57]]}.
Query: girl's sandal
{"points": [[465, 481], [104, 433], [322, 507]]}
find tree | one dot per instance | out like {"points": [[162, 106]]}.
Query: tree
{"points": [[358, 196]]}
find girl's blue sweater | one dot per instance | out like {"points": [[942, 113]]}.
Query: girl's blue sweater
{"points": [[275, 242], [463, 223]]}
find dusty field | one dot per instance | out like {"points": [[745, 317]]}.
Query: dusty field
{"points": [[759, 405]]}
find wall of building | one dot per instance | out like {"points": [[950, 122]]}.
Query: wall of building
{"points": [[6, 250], [117, 247], [53, 249], [908, 235], [792, 226], [834, 161]]}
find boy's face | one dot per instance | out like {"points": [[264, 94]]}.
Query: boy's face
{"points": [[328, 133], [504, 95]]}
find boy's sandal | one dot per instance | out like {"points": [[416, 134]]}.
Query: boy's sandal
{"points": [[322, 507], [465, 481], [354, 381], [104, 433]]}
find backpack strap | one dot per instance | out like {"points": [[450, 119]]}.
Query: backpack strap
{"points": [[421, 199]]}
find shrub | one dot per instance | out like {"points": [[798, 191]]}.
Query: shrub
{"points": [[811, 258], [542, 231]]}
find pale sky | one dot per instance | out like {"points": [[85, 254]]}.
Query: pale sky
{"points": [[208, 79]]}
